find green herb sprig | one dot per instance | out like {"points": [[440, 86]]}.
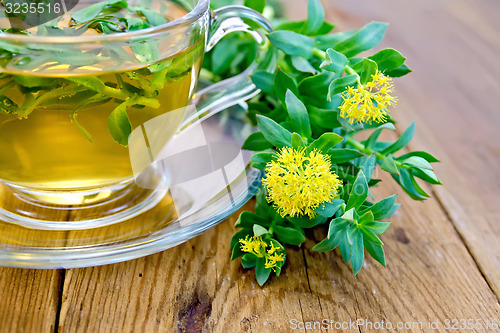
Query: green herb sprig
{"points": [[138, 88], [308, 113]]}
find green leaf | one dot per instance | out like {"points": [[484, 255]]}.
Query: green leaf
{"points": [[325, 142], [302, 65], [388, 59], [370, 143], [257, 5], [261, 272], [364, 39], [119, 124], [274, 133], [261, 205], [403, 140], [260, 160], [323, 118], [315, 88], [391, 212], [334, 61], [417, 162], [256, 142], [398, 72], [382, 207], [297, 141], [370, 236], [368, 166], [147, 52], [153, 17], [76, 58], [345, 247], [264, 81], [249, 219], [389, 165], [350, 215], [426, 156], [327, 41], [359, 192], [328, 244], [292, 43], [417, 187], [315, 17], [378, 228], [92, 11], [298, 114], [427, 175], [357, 250], [405, 180], [339, 85], [342, 155], [337, 226], [236, 252], [35, 81], [299, 26], [135, 24], [287, 235], [240, 234], [90, 82], [369, 69], [249, 260], [328, 209], [259, 230], [283, 83], [366, 218], [306, 222], [375, 250]]}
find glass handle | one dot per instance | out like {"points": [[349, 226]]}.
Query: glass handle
{"points": [[226, 93]]}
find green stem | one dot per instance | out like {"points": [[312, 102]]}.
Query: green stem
{"points": [[365, 150], [348, 69], [319, 53], [9, 85], [54, 93]]}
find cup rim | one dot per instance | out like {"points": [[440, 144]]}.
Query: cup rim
{"points": [[196, 13]]}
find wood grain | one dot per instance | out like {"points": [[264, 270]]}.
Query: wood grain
{"points": [[443, 255], [453, 48], [28, 300], [194, 287]]}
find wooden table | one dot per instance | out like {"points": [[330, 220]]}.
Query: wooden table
{"points": [[443, 255]]}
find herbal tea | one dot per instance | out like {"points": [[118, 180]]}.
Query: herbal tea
{"points": [[66, 131]]}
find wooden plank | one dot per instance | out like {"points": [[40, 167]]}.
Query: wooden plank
{"points": [[29, 299], [194, 287], [453, 48]]}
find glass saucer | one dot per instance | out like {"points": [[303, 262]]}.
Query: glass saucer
{"points": [[182, 213]]}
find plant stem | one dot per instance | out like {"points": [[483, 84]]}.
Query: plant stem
{"points": [[365, 150], [54, 93], [319, 53], [348, 69]]}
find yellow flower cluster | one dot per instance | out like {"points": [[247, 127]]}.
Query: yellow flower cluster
{"points": [[257, 246], [368, 102], [298, 184]]}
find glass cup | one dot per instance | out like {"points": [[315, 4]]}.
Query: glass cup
{"points": [[68, 106]]}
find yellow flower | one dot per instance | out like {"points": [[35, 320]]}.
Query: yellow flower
{"points": [[253, 245], [298, 183], [257, 246], [368, 102], [273, 259]]}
